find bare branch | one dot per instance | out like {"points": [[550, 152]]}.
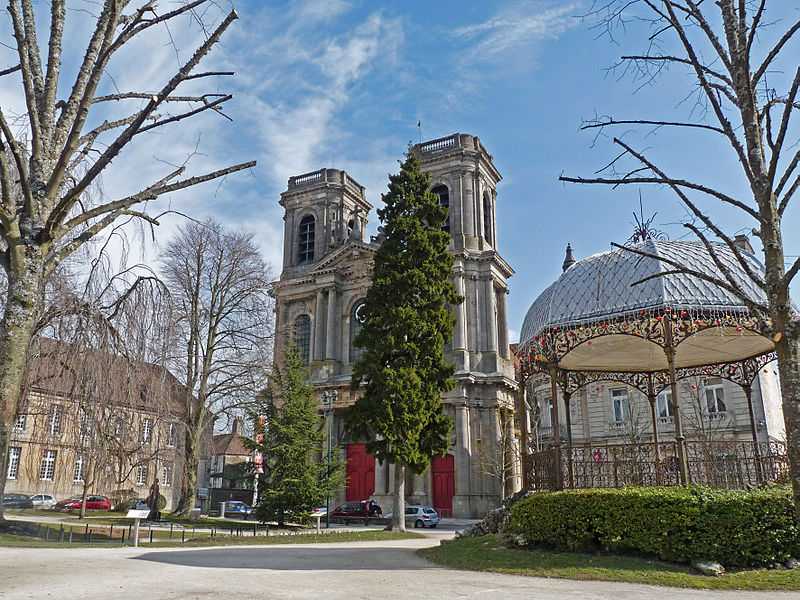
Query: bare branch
{"points": [[68, 200], [657, 123], [784, 126], [11, 70], [773, 53]]}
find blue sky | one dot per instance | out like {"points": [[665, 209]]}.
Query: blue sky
{"points": [[344, 84]]}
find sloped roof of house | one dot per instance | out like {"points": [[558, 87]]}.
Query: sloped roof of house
{"points": [[69, 370], [230, 444]]}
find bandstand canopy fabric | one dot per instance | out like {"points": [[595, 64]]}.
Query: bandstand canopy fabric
{"points": [[601, 294]]}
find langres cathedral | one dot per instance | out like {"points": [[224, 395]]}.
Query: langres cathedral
{"points": [[326, 273]]}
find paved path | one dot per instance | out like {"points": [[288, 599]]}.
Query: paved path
{"points": [[384, 570]]}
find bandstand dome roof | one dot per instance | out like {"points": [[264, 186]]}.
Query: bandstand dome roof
{"points": [[599, 289]]}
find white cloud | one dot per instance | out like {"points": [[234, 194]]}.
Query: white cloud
{"points": [[517, 28]]}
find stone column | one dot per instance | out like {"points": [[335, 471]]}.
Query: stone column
{"points": [[330, 334], [468, 204], [459, 337], [461, 500], [319, 324], [502, 323], [491, 315]]}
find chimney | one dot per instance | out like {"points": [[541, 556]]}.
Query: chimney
{"points": [[743, 243], [569, 259], [237, 426]]}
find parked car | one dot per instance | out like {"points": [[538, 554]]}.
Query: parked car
{"points": [[356, 510], [17, 501], [236, 507], [43, 501], [92, 503], [421, 516]]}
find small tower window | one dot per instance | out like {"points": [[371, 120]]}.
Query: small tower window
{"points": [[356, 323], [487, 218], [306, 241], [444, 200], [302, 337]]}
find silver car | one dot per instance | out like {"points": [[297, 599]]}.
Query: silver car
{"points": [[421, 516], [43, 501]]}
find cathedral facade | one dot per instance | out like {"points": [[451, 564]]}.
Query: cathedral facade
{"points": [[326, 272]]}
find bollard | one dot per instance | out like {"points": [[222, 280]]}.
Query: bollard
{"points": [[70, 535], [111, 533], [122, 538], [86, 533], [193, 528], [171, 525], [255, 530], [129, 530], [151, 535], [90, 535], [183, 535], [47, 533], [61, 532]]}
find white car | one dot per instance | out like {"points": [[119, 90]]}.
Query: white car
{"points": [[421, 516], [43, 501]]}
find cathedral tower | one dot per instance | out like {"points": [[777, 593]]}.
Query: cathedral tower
{"points": [[326, 273]]}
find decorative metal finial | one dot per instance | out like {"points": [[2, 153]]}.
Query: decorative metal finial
{"points": [[569, 259], [643, 228]]}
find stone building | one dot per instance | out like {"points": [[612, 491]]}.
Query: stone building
{"points": [[326, 273], [96, 422]]}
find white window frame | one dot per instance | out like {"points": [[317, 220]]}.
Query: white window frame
{"points": [[141, 474], [19, 424], [664, 405], [77, 473], [171, 435], [14, 455], [712, 405], [54, 424], [166, 476], [48, 468], [620, 405], [147, 430], [546, 413]]}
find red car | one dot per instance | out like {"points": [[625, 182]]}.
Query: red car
{"points": [[350, 511], [92, 502]]}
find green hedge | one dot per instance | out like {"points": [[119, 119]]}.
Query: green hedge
{"points": [[734, 527]]}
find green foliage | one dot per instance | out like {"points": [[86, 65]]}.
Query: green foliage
{"points": [[407, 323], [734, 527], [297, 477]]}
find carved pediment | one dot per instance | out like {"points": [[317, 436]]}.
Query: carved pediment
{"points": [[352, 260]]}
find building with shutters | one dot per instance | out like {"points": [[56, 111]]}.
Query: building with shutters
{"points": [[326, 272]]}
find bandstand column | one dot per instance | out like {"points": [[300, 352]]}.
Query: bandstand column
{"points": [[669, 351], [559, 480], [651, 398], [748, 392]]}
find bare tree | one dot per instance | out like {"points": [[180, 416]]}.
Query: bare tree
{"points": [[219, 284], [63, 145], [735, 53]]}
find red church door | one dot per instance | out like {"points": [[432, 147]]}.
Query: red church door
{"points": [[360, 473], [444, 484]]}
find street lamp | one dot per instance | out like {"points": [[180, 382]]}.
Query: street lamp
{"points": [[329, 398]]}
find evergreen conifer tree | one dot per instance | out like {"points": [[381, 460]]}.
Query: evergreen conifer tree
{"points": [[297, 474], [407, 322]]}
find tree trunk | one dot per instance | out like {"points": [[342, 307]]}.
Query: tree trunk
{"points": [[399, 503], [190, 465], [788, 351], [24, 304]]}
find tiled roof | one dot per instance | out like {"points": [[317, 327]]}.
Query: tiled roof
{"points": [[600, 287]]}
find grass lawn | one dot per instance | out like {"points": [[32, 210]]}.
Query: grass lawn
{"points": [[488, 554], [298, 538]]}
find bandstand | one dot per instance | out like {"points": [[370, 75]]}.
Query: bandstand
{"points": [[647, 315]]}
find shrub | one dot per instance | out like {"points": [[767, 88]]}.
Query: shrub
{"points": [[733, 527]]}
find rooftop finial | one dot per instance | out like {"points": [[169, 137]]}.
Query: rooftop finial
{"points": [[569, 259]]}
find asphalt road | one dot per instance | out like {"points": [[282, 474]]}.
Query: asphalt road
{"points": [[383, 570]]}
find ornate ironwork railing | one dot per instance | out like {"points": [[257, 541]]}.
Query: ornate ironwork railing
{"points": [[719, 464]]}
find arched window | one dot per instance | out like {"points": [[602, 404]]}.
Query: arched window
{"points": [[356, 322], [306, 241], [302, 337], [487, 218], [444, 200]]}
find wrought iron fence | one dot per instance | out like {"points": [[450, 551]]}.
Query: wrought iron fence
{"points": [[719, 464]]}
